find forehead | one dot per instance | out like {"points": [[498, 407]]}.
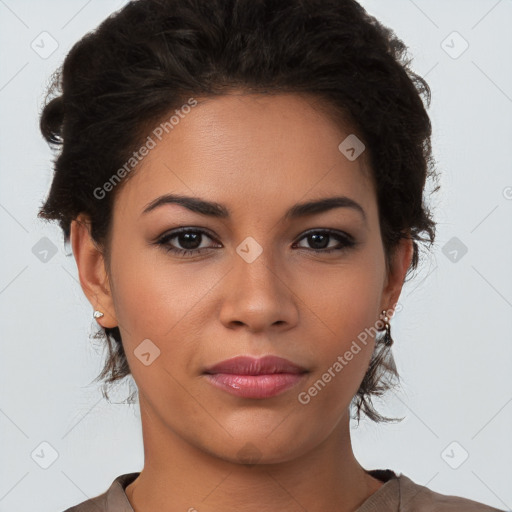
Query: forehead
{"points": [[249, 148]]}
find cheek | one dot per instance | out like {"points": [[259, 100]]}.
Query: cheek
{"points": [[151, 296], [345, 299], [163, 302], [342, 353], [345, 302], [153, 301]]}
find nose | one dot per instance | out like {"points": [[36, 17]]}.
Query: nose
{"points": [[258, 295]]}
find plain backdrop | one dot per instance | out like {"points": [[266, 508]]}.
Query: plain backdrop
{"points": [[62, 443]]}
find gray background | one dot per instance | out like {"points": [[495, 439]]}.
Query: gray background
{"points": [[452, 339]]}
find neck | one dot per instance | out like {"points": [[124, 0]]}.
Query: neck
{"points": [[178, 476]]}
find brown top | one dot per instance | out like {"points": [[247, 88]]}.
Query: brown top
{"points": [[398, 494]]}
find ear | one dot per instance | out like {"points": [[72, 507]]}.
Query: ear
{"points": [[400, 262], [91, 270]]}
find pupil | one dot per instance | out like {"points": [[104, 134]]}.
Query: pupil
{"points": [[322, 245], [190, 240]]}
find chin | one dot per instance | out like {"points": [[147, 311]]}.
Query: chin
{"points": [[261, 449]]}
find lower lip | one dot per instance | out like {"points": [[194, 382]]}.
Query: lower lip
{"points": [[255, 386]]}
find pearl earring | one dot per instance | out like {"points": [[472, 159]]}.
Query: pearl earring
{"points": [[388, 340]]}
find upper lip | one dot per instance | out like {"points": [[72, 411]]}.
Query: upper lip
{"points": [[248, 365]]}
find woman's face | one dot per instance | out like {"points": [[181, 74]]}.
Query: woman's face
{"points": [[257, 286]]}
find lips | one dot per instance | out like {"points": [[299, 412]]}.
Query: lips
{"points": [[247, 365], [249, 377]]}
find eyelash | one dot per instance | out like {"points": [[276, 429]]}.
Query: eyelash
{"points": [[347, 241]]}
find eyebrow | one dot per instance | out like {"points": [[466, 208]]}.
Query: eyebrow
{"points": [[213, 209]]}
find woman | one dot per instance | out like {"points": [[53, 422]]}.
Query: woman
{"points": [[242, 185]]}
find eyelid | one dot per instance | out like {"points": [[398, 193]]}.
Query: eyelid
{"points": [[176, 231], [184, 229], [343, 238], [330, 231], [173, 233], [346, 240]]}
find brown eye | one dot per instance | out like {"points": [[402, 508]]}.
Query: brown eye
{"points": [[189, 239], [320, 240]]}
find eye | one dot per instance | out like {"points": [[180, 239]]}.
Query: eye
{"points": [[188, 238], [190, 241], [319, 240]]}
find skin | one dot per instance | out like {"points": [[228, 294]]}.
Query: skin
{"points": [[258, 156]]}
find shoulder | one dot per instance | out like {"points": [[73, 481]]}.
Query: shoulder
{"points": [[97, 504], [112, 500], [422, 499]]}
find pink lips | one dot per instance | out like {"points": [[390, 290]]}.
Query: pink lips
{"points": [[250, 377]]}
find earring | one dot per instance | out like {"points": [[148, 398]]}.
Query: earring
{"points": [[97, 314], [388, 340]]}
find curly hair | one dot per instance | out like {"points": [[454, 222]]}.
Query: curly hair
{"points": [[147, 59]]}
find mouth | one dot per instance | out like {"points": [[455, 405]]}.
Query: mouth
{"points": [[250, 377], [248, 365]]}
